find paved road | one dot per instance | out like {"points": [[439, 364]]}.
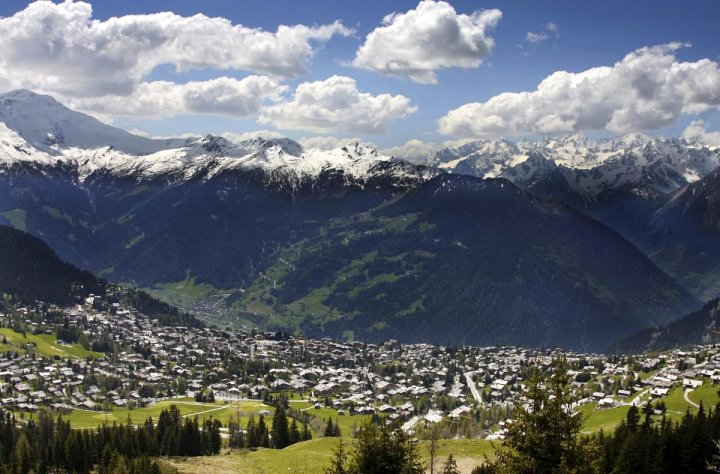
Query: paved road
{"points": [[687, 399], [636, 401], [473, 389]]}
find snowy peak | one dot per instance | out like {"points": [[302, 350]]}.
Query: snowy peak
{"points": [[591, 167], [39, 129], [50, 127]]}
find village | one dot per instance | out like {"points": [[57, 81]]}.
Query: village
{"points": [[469, 391]]}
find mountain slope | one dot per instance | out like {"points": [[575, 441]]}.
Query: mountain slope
{"points": [[337, 242], [698, 327], [30, 270], [464, 260], [624, 182], [684, 234]]}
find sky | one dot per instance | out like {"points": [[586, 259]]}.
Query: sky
{"points": [[407, 76]]}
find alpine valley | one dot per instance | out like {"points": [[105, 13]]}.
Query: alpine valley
{"points": [[567, 242]]}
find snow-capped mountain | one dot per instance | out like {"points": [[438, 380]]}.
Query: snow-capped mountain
{"points": [[591, 168], [50, 127], [389, 248], [36, 128]]}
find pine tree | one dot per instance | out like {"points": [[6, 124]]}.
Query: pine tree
{"points": [[544, 438], [294, 432], [263, 435], [339, 461], [306, 434], [329, 428], [450, 466], [253, 440], [23, 456], [280, 430], [379, 449]]}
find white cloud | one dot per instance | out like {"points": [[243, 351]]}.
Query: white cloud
{"points": [[533, 37], [241, 137], [648, 89], [101, 66], [415, 151], [550, 29], [434, 36], [698, 133], [222, 96], [325, 142], [336, 105], [61, 48]]}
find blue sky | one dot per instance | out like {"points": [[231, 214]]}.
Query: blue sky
{"points": [[585, 35]]}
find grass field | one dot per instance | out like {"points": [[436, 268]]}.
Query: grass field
{"points": [[707, 394], [44, 345], [602, 419], [90, 419], [347, 423], [314, 455]]}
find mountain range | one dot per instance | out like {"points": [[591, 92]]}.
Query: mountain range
{"points": [[570, 241]]}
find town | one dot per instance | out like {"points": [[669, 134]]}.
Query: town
{"points": [[102, 357]]}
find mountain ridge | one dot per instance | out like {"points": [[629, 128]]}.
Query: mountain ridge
{"points": [[236, 217]]}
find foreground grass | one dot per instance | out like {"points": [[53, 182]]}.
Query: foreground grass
{"points": [[44, 345], [314, 455]]}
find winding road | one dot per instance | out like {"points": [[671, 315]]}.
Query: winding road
{"points": [[687, 398]]}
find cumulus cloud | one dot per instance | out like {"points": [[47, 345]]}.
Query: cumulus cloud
{"points": [[222, 96], [415, 151], [336, 105], [698, 133], [61, 48], [433, 36], [101, 66], [648, 89], [550, 29]]}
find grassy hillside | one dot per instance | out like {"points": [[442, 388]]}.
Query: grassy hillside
{"points": [[42, 344]]}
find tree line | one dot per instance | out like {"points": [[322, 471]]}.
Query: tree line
{"points": [[49, 444], [280, 434]]}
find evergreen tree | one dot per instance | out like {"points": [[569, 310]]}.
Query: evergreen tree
{"points": [[23, 456], [330, 428], [339, 461], [253, 439], [544, 438], [280, 430], [263, 435], [295, 436], [306, 434], [450, 466], [379, 449]]}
